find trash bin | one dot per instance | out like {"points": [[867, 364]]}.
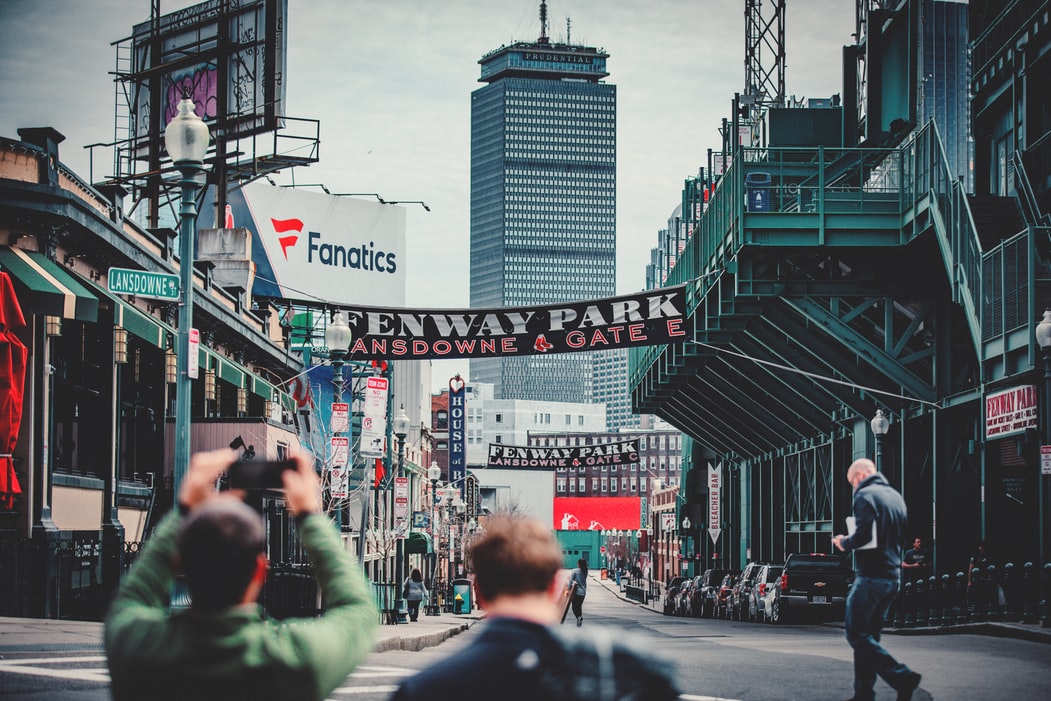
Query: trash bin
{"points": [[461, 596], [757, 187], [602, 573]]}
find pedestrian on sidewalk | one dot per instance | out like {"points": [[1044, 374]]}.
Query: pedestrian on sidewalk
{"points": [[879, 518], [222, 647], [521, 653], [414, 591], [579, 577]]}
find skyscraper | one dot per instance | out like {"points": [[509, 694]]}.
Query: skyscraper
{"points": [[543, 199], [944, 93]]}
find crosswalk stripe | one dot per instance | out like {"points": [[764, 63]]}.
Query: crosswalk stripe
{"points": [[386, 689]]}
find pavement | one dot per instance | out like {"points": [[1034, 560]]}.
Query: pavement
{"points": [[31, 635], [1032, 632], [37, 635]]}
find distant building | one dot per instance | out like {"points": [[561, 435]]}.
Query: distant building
{"points": [[543, 199]]}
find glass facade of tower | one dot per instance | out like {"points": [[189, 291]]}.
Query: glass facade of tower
{"points": [[944, 88], [543, 201]]}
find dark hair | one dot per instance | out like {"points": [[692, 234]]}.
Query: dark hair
{"points": [[416, 576], [583, 565], [218, 549], [514, 555]]}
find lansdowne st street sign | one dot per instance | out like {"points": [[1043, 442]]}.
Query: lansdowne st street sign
{"points": [[142, 283]]}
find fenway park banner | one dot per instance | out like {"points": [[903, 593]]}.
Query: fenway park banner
{"points": [[647, 318], [619, 453]]}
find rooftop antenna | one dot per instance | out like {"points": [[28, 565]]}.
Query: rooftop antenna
{"points": [[543, 23], [568, 24]]}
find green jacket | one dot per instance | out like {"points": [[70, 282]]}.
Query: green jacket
{"points": [[237, 653]]}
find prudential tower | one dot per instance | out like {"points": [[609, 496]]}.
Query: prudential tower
{"points": [[543, 198]]}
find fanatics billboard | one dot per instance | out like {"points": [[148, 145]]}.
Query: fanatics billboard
{"points": [[648, 318], [597, 513], [619, 453], [310, 247]]}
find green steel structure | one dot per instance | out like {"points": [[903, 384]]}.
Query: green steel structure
{"points": [[861, 284]]}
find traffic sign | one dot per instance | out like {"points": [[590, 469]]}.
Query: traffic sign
{"points": [[143, 283]]}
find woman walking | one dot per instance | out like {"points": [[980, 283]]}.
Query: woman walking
{"points": [[414, 591], [580, 578]]}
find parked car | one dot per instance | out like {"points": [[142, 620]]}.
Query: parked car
{"points": [[671, 593], [722, 595], [738, 607], [708, 588], [762, 593], [811, 583], [684, 604]]}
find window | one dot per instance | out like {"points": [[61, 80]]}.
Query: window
{"points": [[580, 420], [572, 485], [499, 438], [560, 486], [583, 484], [613, 486], [569, 419], [642, 483], [442, 419], [594, 483], [642, 443], [499, 418], [605, 485]]}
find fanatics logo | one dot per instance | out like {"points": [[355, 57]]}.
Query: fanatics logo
{"points": [[283, 225]]}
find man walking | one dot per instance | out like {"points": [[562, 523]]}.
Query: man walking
{"points": [[880, 515]]}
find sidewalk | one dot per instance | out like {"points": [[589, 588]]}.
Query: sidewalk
{"points": [[21, 635], [1032, 632]]}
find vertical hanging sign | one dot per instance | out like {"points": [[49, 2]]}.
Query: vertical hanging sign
{"points": [[715, 482], [374, 420], [340, 450], [340, 421], [457, 430], [401, 506]]}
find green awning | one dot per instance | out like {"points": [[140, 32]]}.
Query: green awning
{"points": [[418, 544], [45, 287]]}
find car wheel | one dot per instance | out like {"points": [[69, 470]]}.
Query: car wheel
{"points": [[775, 613]]}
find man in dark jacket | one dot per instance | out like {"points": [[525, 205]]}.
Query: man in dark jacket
{"points": [[520, 655], [879, 513]]}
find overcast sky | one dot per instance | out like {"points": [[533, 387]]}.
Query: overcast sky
{"points": [[390, 81]]}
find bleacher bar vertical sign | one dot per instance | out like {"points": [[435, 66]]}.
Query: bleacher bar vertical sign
{"points": [[715, 486], [457, 430]]}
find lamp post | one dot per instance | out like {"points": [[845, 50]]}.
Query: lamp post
{"points": [[449, 495], [400, 426], [337, 340], [434, 473], [880, 425], [186, 138], [686, 546], [1043, 339]]}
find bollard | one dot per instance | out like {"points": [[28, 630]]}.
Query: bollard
{"points": [[977, 608], [1031, 592], [960, 597], [934, 617], [920, 588], [910, 613], [1008, 586], [1045, 615], [948, 610], [992, 593]]}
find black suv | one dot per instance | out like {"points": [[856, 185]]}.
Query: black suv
{"points": [[708, 594], [811, 582]]}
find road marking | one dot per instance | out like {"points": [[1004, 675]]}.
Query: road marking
{"points": [[691, 697], [28, 666], [385, 689]]}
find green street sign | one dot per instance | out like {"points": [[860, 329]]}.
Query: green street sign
{"points": [[142, 283]]}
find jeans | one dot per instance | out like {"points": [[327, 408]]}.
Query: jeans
{"points": [[867, 605], [414, 608], [578, 606]]}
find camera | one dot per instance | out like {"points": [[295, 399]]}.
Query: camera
{"points": [[259, 474]]}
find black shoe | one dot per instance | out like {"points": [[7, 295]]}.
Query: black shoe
{"points": [[912, 680]]}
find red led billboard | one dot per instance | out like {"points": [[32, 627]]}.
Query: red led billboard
{"points": [[597, 513]]}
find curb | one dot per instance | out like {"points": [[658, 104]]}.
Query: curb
{"points": [[415, 643]]}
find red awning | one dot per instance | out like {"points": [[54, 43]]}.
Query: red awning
{"points": [[13, 355]]}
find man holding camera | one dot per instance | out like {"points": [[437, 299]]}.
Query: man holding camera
{"points": [[223, 647]]}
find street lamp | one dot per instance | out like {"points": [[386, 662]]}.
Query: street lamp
{"points": [[186, 137], [337, 339], [400, 426], [880, 425], [1043, 339], [434, 473], [686, 549]]}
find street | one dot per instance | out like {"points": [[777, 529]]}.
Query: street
{"points": [[716, 659]]}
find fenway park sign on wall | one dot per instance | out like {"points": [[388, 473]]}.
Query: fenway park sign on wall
{"points": [[644, 319]]}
